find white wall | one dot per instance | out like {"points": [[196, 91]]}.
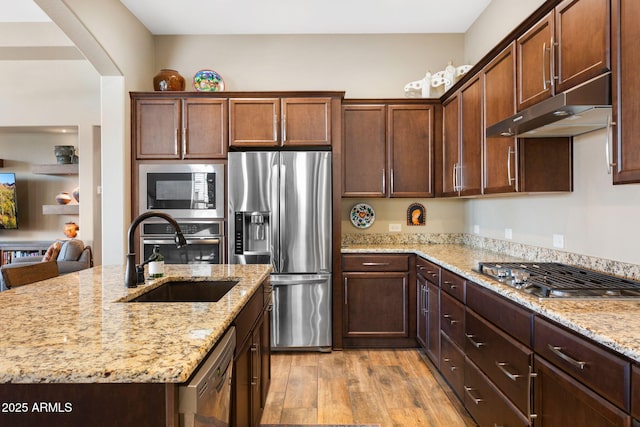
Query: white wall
{"points": [[365, 66], [494, 24]]}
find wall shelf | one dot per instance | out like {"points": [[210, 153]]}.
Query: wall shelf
{"points": [[55, 169], [60, 209]]}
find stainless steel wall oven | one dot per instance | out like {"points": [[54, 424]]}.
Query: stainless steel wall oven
{"points": [[183, 190], [205, 241]]}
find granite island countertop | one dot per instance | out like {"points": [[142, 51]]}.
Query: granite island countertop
{"points": [[74, 329], [612, 323]]}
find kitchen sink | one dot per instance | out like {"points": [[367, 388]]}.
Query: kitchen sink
{"points": [[188, 291]]}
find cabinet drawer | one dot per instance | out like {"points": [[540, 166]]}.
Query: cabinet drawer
{"points": [[428, 270], [509, 317], [452, 319], [487, 405], [453, 284], [504, 360], [248, 316], [452, 364], [599, 369], [382, 262]]}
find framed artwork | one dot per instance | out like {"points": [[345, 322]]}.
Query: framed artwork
{"points": [[416, 214]]}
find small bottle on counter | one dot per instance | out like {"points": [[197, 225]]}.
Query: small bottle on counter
{"points": [[156, 263]]}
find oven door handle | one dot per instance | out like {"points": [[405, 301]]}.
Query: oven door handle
{"points": [[202, 241]]}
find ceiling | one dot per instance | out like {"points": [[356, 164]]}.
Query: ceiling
{"points": [[285, 16]]}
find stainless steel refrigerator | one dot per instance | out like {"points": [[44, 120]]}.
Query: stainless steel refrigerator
{"points": [[280, 213]]}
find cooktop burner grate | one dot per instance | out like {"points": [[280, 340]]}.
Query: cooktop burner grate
{"points": [[555, 279]]}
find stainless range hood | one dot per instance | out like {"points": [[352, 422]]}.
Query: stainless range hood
{"points": [[579, 110]]}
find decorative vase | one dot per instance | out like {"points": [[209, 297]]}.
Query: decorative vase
{"points": [[64, 154], [63, 198], [76, 194], [168, 79]]}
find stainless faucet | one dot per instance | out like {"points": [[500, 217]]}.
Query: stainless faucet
{"points": [[131, 272]]}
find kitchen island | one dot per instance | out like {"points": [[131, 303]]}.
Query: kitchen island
{"points": [[74, 336]]}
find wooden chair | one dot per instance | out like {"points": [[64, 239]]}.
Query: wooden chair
{"points": [[26, 274]]}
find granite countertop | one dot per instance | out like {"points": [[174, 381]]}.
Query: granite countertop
{"points": [[612, 323], [72, 329]]}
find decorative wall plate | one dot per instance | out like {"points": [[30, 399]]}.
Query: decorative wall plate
{"points": [[208, 81], [362, 215]]}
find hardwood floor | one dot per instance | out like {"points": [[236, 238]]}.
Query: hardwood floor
{"points": [[395, 388]]}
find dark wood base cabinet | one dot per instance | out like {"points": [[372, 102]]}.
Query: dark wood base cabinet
{"points": [[486, 404], [561, 401], [100, 405], [428, 331], [251, 369], [379, 301]]}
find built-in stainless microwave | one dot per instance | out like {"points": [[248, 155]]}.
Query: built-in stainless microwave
{"points": [[183, 190]]}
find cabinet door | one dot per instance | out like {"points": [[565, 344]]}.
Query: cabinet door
{"points": [[265, 356], [306, 121], [242, 390], [561, 401], [626, 87], [535, 68], [157, 128], [256, 375], [451, 146], [582, 33], [205, 128], [376, 305], [472, 138], [433, 323], [500, 165], [422, 298], [364, 151], [410, 145], [254, 122]]}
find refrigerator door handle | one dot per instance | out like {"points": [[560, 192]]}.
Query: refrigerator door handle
{"points": [[288, 282], [282, 212], [275, 215]]}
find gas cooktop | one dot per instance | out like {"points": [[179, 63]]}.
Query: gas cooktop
{"points": [[555, 280]]}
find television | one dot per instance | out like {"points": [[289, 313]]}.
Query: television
{"points": [[8, 202]]}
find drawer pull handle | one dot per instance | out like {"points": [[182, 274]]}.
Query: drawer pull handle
{"points": [[475, 343], [451, 367], [476, 400], [451, 320], [512, 377], [375, 264], [451, 285], [558, 352]]}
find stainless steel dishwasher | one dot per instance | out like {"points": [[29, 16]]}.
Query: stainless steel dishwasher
{"points": [[206, 399]]}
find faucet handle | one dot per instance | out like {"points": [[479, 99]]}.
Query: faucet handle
{"points": [[139, 274]]}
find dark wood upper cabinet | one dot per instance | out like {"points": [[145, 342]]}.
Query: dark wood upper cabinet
{"points": [[472, 132], [388, 149], [179, 128], [410, 142], [450, 145], [534, 63], [463, 135], [273, 122], [568, 46], [364, 150], [500, 153], [254, 122], [582, 35], [306, 121], [626, 87]]}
